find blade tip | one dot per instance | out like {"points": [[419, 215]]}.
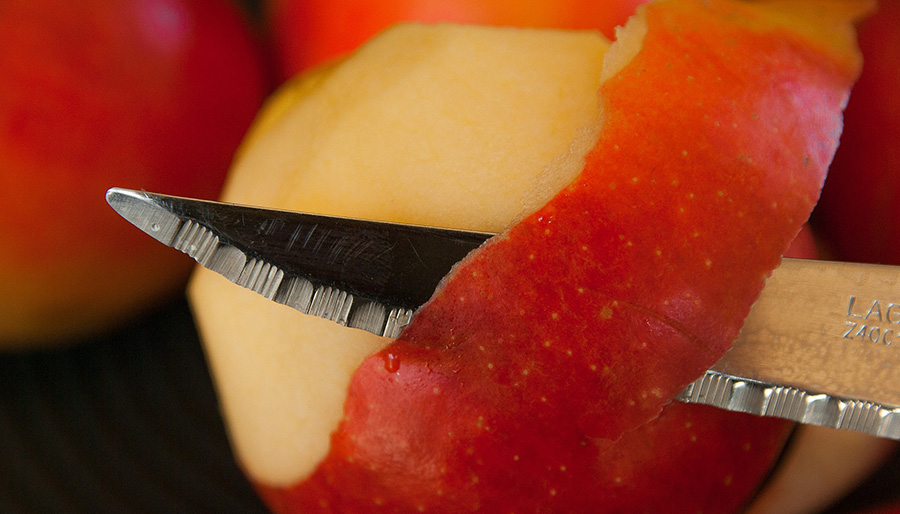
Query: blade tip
{"points": [[116, 195]]}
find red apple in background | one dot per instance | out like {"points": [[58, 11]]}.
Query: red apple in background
{"points": [[858, 210], [308, 32], [151, 94]]}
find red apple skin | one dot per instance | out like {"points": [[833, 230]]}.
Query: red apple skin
{"points": [[633, 289], [692, 458], [861, 197], [308, 32], [152, 94]]}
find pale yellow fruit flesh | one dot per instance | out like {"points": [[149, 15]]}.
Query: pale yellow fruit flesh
{"points": [[445, 125]]}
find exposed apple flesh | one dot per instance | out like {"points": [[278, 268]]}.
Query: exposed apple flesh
{"points": [[613, 312], [309, 32]]}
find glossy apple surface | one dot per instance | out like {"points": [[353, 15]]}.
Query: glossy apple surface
{"points": [[623, 287], [309, 32], [154, 94]]}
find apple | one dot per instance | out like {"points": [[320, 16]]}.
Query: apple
{"points": [[520, 92], [542, 373], [308, 32], [862, 193], [154, 94]]}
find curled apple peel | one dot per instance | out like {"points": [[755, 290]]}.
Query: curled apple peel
{"points": [[543, 368]]}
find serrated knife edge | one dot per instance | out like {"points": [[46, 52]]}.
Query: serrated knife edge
{"points": [[772, 400], [300, 293]]}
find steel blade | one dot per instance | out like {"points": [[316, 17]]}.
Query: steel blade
{"points": [[356, 273]]}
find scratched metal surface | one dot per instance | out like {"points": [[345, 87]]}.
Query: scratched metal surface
{"points": [[129, 423]]}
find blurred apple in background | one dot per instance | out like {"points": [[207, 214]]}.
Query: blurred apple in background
{"points": [[308, 32], [152, 94], [859, 205]]}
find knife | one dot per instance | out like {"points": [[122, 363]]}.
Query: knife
{"points": [[820, 346]]}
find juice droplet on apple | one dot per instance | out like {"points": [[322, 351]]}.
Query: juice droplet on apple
{"points": [[391, 362]]}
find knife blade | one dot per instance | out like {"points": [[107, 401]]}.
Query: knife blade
{"points": [[821, 345]]}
